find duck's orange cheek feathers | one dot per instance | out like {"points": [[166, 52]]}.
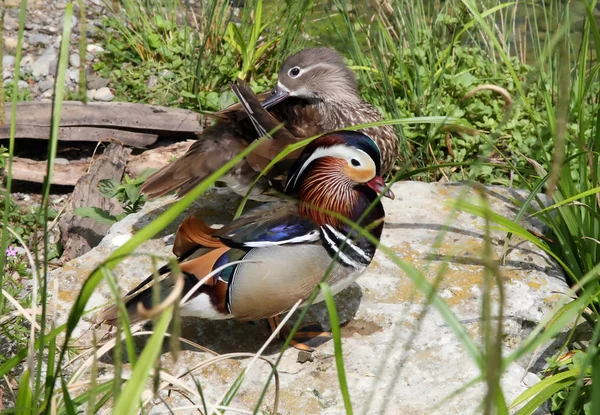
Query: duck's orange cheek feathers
{"points": [[359, 175]]}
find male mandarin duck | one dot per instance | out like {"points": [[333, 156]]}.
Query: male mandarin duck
{"points": [[315, 93], [288, 245]]}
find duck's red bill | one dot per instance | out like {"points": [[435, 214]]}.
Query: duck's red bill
{"points": [[378, 184]]}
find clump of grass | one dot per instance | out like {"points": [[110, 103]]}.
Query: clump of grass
{"points": [[189, 56]]}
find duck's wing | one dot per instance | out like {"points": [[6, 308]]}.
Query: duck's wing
{"points": [[266, 125], [276, 223]]}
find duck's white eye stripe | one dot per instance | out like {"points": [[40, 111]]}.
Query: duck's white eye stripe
{"points": [[340, 151], [317, 65]]}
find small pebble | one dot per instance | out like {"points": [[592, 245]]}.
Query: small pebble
{"points": [[304, 356], [104, 94], [10, 43], [74, 60], [95, 49], [53, 66], [10, 23], [165, 73], [26, 61], [152, 82], [7, 73], [41, 67], [46, 85], [8, 61], [73, 74], [96, 82], [61, 160], [48, 93], [90, 94], [91, 30], [39, 39]]}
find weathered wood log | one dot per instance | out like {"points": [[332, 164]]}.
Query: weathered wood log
{"points": [[68, 174], [76, 133], [110, 115], [35, 171], [84, 122], [156, 157], [78, 234]]}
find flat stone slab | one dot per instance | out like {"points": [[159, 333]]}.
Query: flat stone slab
{"points": [[399, 359]]}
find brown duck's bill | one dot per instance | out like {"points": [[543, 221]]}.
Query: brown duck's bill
{"points": [[277, 95], [378, 184]]}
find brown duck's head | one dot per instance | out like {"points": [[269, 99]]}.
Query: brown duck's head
{"points": [[315, 74], [337, 172]]}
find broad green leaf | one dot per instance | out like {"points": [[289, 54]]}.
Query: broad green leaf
{"points": [[108, 187], [133, 192]]}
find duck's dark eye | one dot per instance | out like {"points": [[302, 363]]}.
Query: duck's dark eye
{"points": [[294, 72], [355, 162]]}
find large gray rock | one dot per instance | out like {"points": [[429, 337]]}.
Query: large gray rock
{"points": [[398, 359]]}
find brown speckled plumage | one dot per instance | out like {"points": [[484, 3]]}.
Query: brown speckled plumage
{"points": [[324, 97]]}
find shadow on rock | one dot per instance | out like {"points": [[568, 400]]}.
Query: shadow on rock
{"points": [[230, 336]]}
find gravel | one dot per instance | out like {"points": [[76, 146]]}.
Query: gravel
{"points": [[42, 38]]}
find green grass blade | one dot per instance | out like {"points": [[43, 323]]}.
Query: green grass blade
{"points": [[539, 399], [542, 385], [129, 400], [337, 345], [596, 383], [68, 402], [24, 403], [568, 200]]}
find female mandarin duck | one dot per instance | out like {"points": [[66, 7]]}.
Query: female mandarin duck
{"points": [[315, 93], [288, 245]]}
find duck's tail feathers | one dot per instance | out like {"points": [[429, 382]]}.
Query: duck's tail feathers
{"points": [[193, 270], [194, 233]]}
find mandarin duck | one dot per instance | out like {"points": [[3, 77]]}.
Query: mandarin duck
{"points": [[286, 246], [315, 93]]}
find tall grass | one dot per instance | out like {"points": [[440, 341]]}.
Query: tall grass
{"points": [[411, 59]]}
